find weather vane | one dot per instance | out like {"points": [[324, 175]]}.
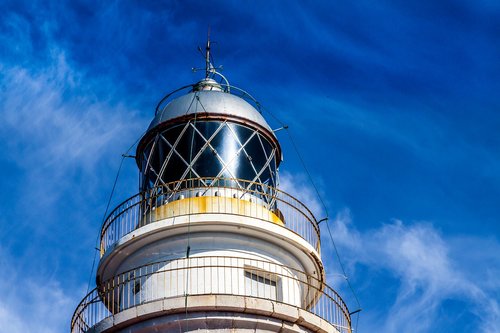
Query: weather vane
{"points": [[210, 69]]}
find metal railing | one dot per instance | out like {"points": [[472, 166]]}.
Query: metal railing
{"points": [[227, 196], [211, 276], [227, 88]]}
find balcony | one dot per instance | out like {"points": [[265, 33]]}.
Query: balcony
{"points": [[210, 196], [175, 284]]}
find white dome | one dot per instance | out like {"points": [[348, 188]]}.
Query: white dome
{"points": [[209, 102]]}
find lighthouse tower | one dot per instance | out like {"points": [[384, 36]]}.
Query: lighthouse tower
{"points": [[210, 243]]}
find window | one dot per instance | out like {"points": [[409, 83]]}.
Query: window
{"points": [[259, 283]]}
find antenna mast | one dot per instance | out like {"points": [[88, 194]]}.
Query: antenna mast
{"points": [[210, 70], [208, 65]]}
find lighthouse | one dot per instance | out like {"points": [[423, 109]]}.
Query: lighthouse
{"points": [[210, 243]]}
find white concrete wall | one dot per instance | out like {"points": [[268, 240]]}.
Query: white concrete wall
{"points": [[219, 274], [210, 244]]}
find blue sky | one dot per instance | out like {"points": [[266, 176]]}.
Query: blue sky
{"points": [[394, 106]]}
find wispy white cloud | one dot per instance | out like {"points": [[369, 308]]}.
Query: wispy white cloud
{"points": [[57, 121], [422, 261], [56, 135], [55, 130], [38, 306], [32, 303]]}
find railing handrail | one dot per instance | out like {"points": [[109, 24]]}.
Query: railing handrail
{"points": [[220, 183], [120, 281], [218, 179], [118, 206], [160, 107]]}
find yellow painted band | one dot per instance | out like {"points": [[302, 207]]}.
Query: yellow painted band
{"points": [[212, 204]]}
